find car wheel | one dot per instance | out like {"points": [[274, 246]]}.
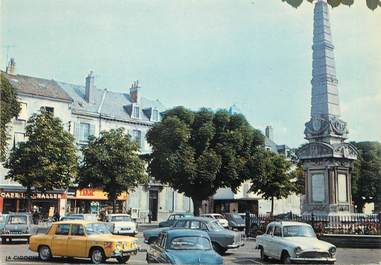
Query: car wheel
{"points": [[3, 240], [151, 240], [220, 250], [122, 260], [44, 253], [97, 256], [285, 258], [263, 256]]}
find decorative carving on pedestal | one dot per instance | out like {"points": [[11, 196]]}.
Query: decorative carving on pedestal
{"points": [[318, 127]]}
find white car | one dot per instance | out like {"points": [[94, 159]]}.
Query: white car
{"points": [[294, 242], [122, 224], [218, 217]]}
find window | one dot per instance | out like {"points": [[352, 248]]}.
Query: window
{"points": [[17, 220], [137, 137], [136, 112], [172, 217], [77, 230], [84, 132], [195, 225], [47, 109], [19, 138], [23, 115], [155, 115], [180, 223], [277, 231], [62, 229]]}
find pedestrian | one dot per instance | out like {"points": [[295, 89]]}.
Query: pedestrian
{"points": [[149, 216], [56, 216]]}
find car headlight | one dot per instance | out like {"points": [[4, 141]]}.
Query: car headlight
{"points": [[332, 251], [297, 251], [118, 245]]}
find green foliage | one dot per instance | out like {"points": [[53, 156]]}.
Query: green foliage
{"points": [[371, 4], [10, 108], [111, 162], [197, 152], [366, 176], [272, 175], [47, 160]]}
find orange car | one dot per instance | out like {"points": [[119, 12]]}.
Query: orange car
{"points": [[83, 239]]}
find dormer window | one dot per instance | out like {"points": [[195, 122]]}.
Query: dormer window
{"points": [[155, 115], [136, 112]]}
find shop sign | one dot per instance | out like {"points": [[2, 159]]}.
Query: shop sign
{"points": [[22, 195], [96, 194]]}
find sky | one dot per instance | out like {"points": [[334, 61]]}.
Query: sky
{"points": [[255, 54]]}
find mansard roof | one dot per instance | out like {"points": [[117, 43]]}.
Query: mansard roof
{"points": [[34, 86], [109, 104]]}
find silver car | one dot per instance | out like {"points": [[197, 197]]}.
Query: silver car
{"points": [[17, 226]]}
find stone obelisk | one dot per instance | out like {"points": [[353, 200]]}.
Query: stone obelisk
{"points": [[327, 159]]}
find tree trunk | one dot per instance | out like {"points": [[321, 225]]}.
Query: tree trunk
{"points": [[28, 199], [114, 205], [196, 206], [272, 207]]}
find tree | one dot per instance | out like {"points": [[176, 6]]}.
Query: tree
{"points": [[47, 160], [371, 4], [272, 176], [198, 152], [366, 177], [10, 108], [111, 162]]}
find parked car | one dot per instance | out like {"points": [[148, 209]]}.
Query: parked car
{"points": [[222, 239], [218, 217], [173, 218], [78, 238], [122, 224], [183, 246], [3, 218], [292, 242], [17, 226], [80, 216], [235, 221]]}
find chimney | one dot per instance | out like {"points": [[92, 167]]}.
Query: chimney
{"points": [[134, 91], [11, 68], [90, 88], [270, 132]]}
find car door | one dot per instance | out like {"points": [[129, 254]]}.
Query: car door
{"points": [[77, 246], [155, 252], [277, 242], [60, 240], [267, 240]]}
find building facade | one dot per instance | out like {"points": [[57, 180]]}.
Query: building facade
{"points": [[87, 110]]}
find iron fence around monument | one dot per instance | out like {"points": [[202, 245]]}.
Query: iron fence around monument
{"points": [[354, 223]]}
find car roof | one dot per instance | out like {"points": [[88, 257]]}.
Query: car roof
{"points": [[197, 218], [286, 223], [84, 222], [186, 232]]}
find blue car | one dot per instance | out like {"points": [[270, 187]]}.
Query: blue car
{"points": [[183, 246]]}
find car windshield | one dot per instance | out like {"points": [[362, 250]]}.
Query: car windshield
{"points": [[17, 220], [217, 216], [215, 226], [298, 230], [120, 218], [190, 243], [97, 228]]}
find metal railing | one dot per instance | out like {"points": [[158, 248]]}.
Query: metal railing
{"points": [[354, 223]]}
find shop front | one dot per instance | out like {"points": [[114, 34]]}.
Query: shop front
{"points": [[90, 200], [14, 199]]}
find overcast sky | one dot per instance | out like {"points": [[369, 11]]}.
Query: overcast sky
{"points": [[252, 53]]}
